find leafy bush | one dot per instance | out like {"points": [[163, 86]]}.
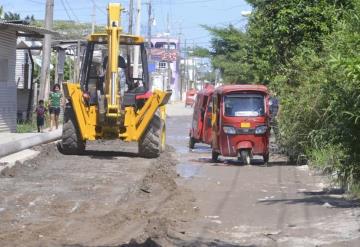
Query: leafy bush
{"points": [[308, 53]]}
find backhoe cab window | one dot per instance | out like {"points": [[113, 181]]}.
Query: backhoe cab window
{"points": [[96, 62], [244, 105]]}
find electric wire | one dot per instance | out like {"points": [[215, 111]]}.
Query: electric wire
{"points": [[71, 10], [37, 2], [67, 12]]}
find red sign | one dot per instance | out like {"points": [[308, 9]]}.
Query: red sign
{"points": [[164, 55]]}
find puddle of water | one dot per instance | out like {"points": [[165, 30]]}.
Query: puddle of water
{"points": [[187, 170], [201, 149], [201, 160], [182, 149]]}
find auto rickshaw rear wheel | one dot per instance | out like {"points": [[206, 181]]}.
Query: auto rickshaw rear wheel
{"points": [[214, 156], [192, 142], [266, 158], [245, 156]]}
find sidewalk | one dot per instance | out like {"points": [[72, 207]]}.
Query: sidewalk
{"points": [[15, 146]]}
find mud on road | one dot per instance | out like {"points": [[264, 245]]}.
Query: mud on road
{"points": [[102, 198], [111, 197]]}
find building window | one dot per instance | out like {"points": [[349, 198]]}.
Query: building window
{"points": [[162, 65], [165, 45]]}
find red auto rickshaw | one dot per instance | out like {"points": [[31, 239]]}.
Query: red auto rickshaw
{"points": [[240, 122], [190, 97], [200, 131]]}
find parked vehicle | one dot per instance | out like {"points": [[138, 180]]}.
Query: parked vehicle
{"points": [[190, 97], [240, 122], [200, 131]]}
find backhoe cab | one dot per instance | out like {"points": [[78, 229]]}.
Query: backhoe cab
{"points": [[112, 100]]}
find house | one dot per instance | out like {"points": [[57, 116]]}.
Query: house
{"points": [[9, 33], [165, 58]]}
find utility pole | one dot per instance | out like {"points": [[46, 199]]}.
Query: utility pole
{"points": [[131, 16], [186, 69], [93, 18], [168, 51], [178, 63], [149, 24], [45, 64], [137, 32], [193, 65]]}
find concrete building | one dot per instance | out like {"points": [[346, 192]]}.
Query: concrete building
{"points": [[9, 32], [165, 65]]}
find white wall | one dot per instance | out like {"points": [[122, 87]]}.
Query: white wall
{"points": [[8, 109]]}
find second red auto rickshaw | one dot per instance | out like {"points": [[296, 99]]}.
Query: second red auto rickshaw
{"points": [[200, 130], [190, 97], [240, 122]]}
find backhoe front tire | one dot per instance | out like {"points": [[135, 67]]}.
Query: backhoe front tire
{"points": [[71, 142], [152, 143]]}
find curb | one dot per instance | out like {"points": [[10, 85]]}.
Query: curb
{"points": [[7, 163], [28, 142]]}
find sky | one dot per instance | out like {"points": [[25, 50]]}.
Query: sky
{"points": [[185, 16]]}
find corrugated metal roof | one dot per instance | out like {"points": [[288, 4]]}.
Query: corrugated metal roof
{"points": [[27, 28]]}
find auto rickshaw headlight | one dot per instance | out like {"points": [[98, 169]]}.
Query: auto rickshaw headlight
{"points": [[260, 130], [229, 130]]}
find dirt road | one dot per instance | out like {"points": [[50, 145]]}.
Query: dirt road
{"points": [[276, 205], [111, 197], [104, 197]]}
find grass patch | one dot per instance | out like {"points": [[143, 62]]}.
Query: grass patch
{"points": [[26, 127]]}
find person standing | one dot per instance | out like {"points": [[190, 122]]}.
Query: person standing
{"points": [[40, 115], [55, 98]]}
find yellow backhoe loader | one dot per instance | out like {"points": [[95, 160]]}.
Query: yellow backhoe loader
{"points": [[112, 99]]}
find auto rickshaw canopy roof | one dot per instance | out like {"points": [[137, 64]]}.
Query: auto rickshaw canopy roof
{"points": [[207, 90], [241, 87]]}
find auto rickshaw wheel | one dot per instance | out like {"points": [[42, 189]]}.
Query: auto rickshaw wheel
{"points": [[266, 158], [192, 142], [245, 156], [214, 156]]}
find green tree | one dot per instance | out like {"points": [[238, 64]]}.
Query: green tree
{"points": [[229, 53], [307, 52], [10, 16]]}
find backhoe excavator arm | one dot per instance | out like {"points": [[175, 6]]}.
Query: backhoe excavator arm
{"points": [[111, 81]]}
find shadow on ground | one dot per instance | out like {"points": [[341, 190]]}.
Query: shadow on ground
{"points": [[235, 162], [95, 154], [328, 197], [176, 242]]}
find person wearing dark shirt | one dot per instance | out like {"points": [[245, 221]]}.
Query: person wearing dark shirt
{"points": [[40, 115]]}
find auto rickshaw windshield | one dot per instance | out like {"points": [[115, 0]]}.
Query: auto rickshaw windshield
{"points": [[244, 105]]}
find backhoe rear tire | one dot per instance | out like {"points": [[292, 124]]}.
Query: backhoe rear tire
{"points": [[71, 141], [152, 143]]}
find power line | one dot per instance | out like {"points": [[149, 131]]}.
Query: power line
{"points": [[187, 2], [77, 19], [67, 12], [100, 9], [37, 2]]}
